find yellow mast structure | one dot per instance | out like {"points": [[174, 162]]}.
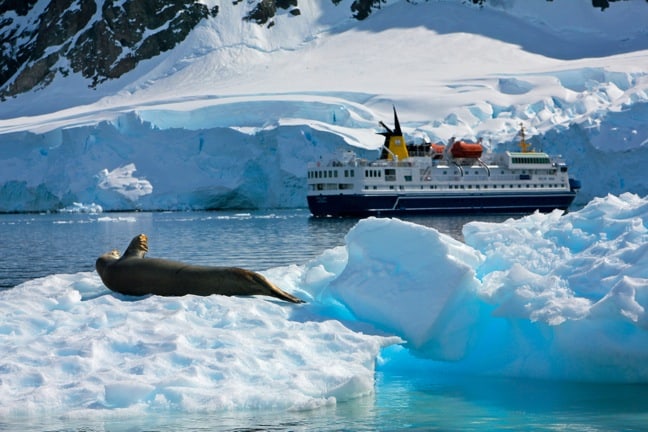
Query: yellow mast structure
{"points": [[524, 146]]}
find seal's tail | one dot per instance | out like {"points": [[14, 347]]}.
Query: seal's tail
{"points": [[275, 291]]}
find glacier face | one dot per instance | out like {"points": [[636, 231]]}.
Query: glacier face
{"points": [[130, 164]]}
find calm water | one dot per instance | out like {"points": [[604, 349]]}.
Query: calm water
{"points": [[37, 245], [33, 246]]}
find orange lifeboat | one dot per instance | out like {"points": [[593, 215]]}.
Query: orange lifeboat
{"points": [[437, 150], [462, 149]]}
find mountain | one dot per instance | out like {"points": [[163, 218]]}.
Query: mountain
{"points": [[101, 100], [43, 39]]}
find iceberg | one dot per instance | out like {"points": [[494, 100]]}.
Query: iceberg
{"points": [[413, 281], [551, 296], [71, 346]]}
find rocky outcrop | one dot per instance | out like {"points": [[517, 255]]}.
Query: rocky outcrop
{"points": [[72, 36]]}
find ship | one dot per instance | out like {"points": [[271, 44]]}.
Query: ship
{"points": [[431, 178]]}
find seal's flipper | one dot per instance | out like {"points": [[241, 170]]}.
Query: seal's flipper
{"points": [[273, 290], [137, 247]]}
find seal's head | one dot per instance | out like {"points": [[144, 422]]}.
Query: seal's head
{"points": [[105, 259]]}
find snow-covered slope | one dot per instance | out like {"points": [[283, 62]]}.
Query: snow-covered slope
{"points": [[231, 116]]}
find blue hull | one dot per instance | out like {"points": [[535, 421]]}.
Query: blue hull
{"points": [[384, 205]]}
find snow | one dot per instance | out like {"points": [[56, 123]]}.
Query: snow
{"points": [[71, 345], [231, 117], [238, 110], [551, 296]]}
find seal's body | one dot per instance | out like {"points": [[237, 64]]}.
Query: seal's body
{"points": [[133, 274]]}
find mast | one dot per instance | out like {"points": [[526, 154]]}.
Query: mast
{"points": [[524, 146]]}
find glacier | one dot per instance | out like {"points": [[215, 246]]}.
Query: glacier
{"points": [[236, 111], [545, 296]]}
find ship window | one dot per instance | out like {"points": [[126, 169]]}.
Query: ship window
{"points": [[445, 172], [336, 173], [408, 178], [352, 172]]}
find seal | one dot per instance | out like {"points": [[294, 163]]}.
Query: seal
{"points": [[133, 274]]}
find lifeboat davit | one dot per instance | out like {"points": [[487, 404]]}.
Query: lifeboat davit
{"points": [[462, 149]]}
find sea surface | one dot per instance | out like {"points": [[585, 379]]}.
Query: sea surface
{"points": [[37, 245]]}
